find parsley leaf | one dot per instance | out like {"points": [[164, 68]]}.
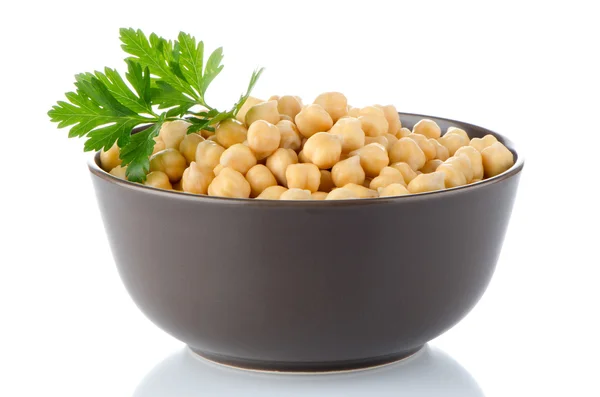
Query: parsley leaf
{"points": [[136, 155]]}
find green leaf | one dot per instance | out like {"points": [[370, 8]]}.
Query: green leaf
{"points": [[212, 69], [253, 80], [191, 60], [165, 96], [140, 81], [136, 154]]}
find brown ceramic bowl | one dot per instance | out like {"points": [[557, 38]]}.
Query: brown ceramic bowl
{"points": [[317, 285]]}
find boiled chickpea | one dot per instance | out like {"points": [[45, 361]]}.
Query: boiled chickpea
{"points": [[319, 195], [229, 183], [278, 162], [208, 153], [373, 157], [159, 145], [350, 131], [463, 163], [290, 136], [388, 176], [188, 146], [260, 177], [272, 193], [367, 182], [458, 131], [334, 103], [453, 176], [431, 166], [177, 186], [392, 117], [391, 138], [394, 189], [381, 139], [159, 180], [169, 161], [441, 152], [218, 169], [266, 111], [229, 132], [119, 172], [273, 98], [482, 143], [408, 151], [313, 119], [286, 118], [302, 158], [496, 159], [323, 149], [303, 176], [289, 106], [110, 159], [206, 134], [326, 184], [428, 128], [453, 142], [353, 112], [251, 101], [263, 138], [403, 133], [348, 171], [173, 132], [373, 121], [360, 191], [427, 183], [341, 194], [196, 179], [407, 172], [475, 158], [426, 146], [238, 157], [296, 194]]}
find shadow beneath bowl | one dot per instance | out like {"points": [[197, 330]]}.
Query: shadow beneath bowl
{"points": [[428, 373]]}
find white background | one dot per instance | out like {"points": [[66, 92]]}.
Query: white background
{"points": [[528, 70]]}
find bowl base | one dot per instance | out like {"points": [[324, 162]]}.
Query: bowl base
{"points": [[305, 367]]}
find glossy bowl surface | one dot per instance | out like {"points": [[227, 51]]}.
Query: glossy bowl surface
{"points": [[308, 285]]}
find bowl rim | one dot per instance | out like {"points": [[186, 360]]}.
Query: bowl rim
{"points": [[95, 169]]}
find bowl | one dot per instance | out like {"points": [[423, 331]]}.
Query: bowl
{"points": [[308, 285]]}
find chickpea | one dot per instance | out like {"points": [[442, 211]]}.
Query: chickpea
{"points": [[348, 171], [290, 136], [431, 166], [173, 132], [394, 189], [208, 153], [272, 193], [441, 152], [229, 183], [408, 151], [188, 146], [367, 182], [303, 176], [266, 111], [373, 121], [319, 195], [341, 194], [360, 191], [463, 163], [274, 98], [302, 158], [426, 146], [407, 172], [260, 177], [263, 138], [350, 131], [218, 169], [238, 157], [110, 159], [482, 143], [119, 172], [206, 134], [453, 141], [196, 179], [391, 138], [159, 180], [229, 132], [323, 149], [475, 158], [334, 103], [427, 128], [496, 159], [388, 176], [286, 118], [326, 184], [296, 194], [403, 133], [313, 119], [251, 101], [212, 138], [392, 117], [289, 106], [278, 162], [159, 145], [381, 139], [453, 176], [177, 186], [373, 157], [169, 161], [458, 131], [427, 183]]}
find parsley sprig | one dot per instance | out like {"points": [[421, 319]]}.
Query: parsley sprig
{"points": [[164, 81]]}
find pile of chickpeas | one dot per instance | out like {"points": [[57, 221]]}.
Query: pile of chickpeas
{"points": [[281, 149]]}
